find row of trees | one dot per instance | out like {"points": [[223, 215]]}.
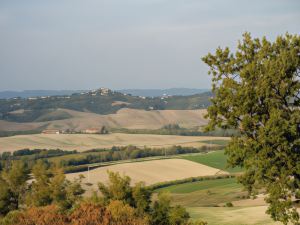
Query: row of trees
{"points": [[49, 198], [129, 152], [76, 161]]}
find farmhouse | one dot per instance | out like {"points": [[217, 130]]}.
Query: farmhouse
{"points": [[51, 131], [92, 131]]}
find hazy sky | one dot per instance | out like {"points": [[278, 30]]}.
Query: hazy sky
{"points": [[85, 44]]}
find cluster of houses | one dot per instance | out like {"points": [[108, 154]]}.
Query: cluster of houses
{"points": [[102, 130]]}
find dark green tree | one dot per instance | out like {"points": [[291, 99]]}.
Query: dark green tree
{"points": [[118, 188], [13, 185], [257, 90], [141, 198], [50, 186]]}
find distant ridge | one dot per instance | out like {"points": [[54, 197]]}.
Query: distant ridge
{"points": [[161, 92], [134, 92], [35, 93]]}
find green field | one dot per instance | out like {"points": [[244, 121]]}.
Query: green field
{"points": [[215, 159], [202, 185], [206, 200], [206, 193]]}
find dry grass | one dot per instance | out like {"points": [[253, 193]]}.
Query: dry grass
{"points": [[254, 215], [150, 172], [124, 118], [83, 142]]}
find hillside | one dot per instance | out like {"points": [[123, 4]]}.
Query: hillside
{"points": [[102, 101], [124, 118]]}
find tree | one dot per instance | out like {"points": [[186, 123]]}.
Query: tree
{"points": [[178, 215], [142, 198], [117, 189], [51, 187], [13, 185], [257, 90], [161, 209], [5, 198]]}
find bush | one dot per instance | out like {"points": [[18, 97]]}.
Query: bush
{"points": [[229, 204]]}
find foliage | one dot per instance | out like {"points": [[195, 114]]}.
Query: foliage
{"points": [[257, 91], [118, 193], [174, 129], [117, 213], [72, 161], [51, 187], [229, 204], [13, 187], [51, 199], [129, 152]]}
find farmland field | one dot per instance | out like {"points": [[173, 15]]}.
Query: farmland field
{"points": [[206, 199], [206, 193], [82, 142], [150, 172], [251, 215], [215, 159]]}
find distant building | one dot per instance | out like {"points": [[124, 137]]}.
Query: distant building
{"points": [[92, 131], [51, 131]]}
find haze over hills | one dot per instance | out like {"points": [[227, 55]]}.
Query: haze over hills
{"points": [[135, 92], [102, 107], [101, 101]]}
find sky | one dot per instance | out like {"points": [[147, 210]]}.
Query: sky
{"points": [[87, 44]]}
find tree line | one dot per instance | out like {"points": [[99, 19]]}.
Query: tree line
{"points": [[76, 162]]}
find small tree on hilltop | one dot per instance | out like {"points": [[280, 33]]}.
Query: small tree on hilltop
{"points": [[257, 90]]}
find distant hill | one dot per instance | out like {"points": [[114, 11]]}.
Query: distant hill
{"points": [[35, 93], [135, 92], [102, 101], [64, 119], [162, 92]]}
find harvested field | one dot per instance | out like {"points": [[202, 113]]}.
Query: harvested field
{"points": [[83, 142], [254, 215], [124, 118], [150, 172]]}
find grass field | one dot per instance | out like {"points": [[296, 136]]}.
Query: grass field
{"points": [[206, 193], [83, 142], [150, 172], [206, 200], [215, 159], [251, 215], [228, 183]]}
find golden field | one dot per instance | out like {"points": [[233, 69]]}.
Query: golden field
{"points": [[82, 142]]}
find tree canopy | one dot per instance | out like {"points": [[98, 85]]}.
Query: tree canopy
{"points": [[257, 90]]}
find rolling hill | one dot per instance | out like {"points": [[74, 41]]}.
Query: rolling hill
{"points": [[102, 101], [123, 118]]}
